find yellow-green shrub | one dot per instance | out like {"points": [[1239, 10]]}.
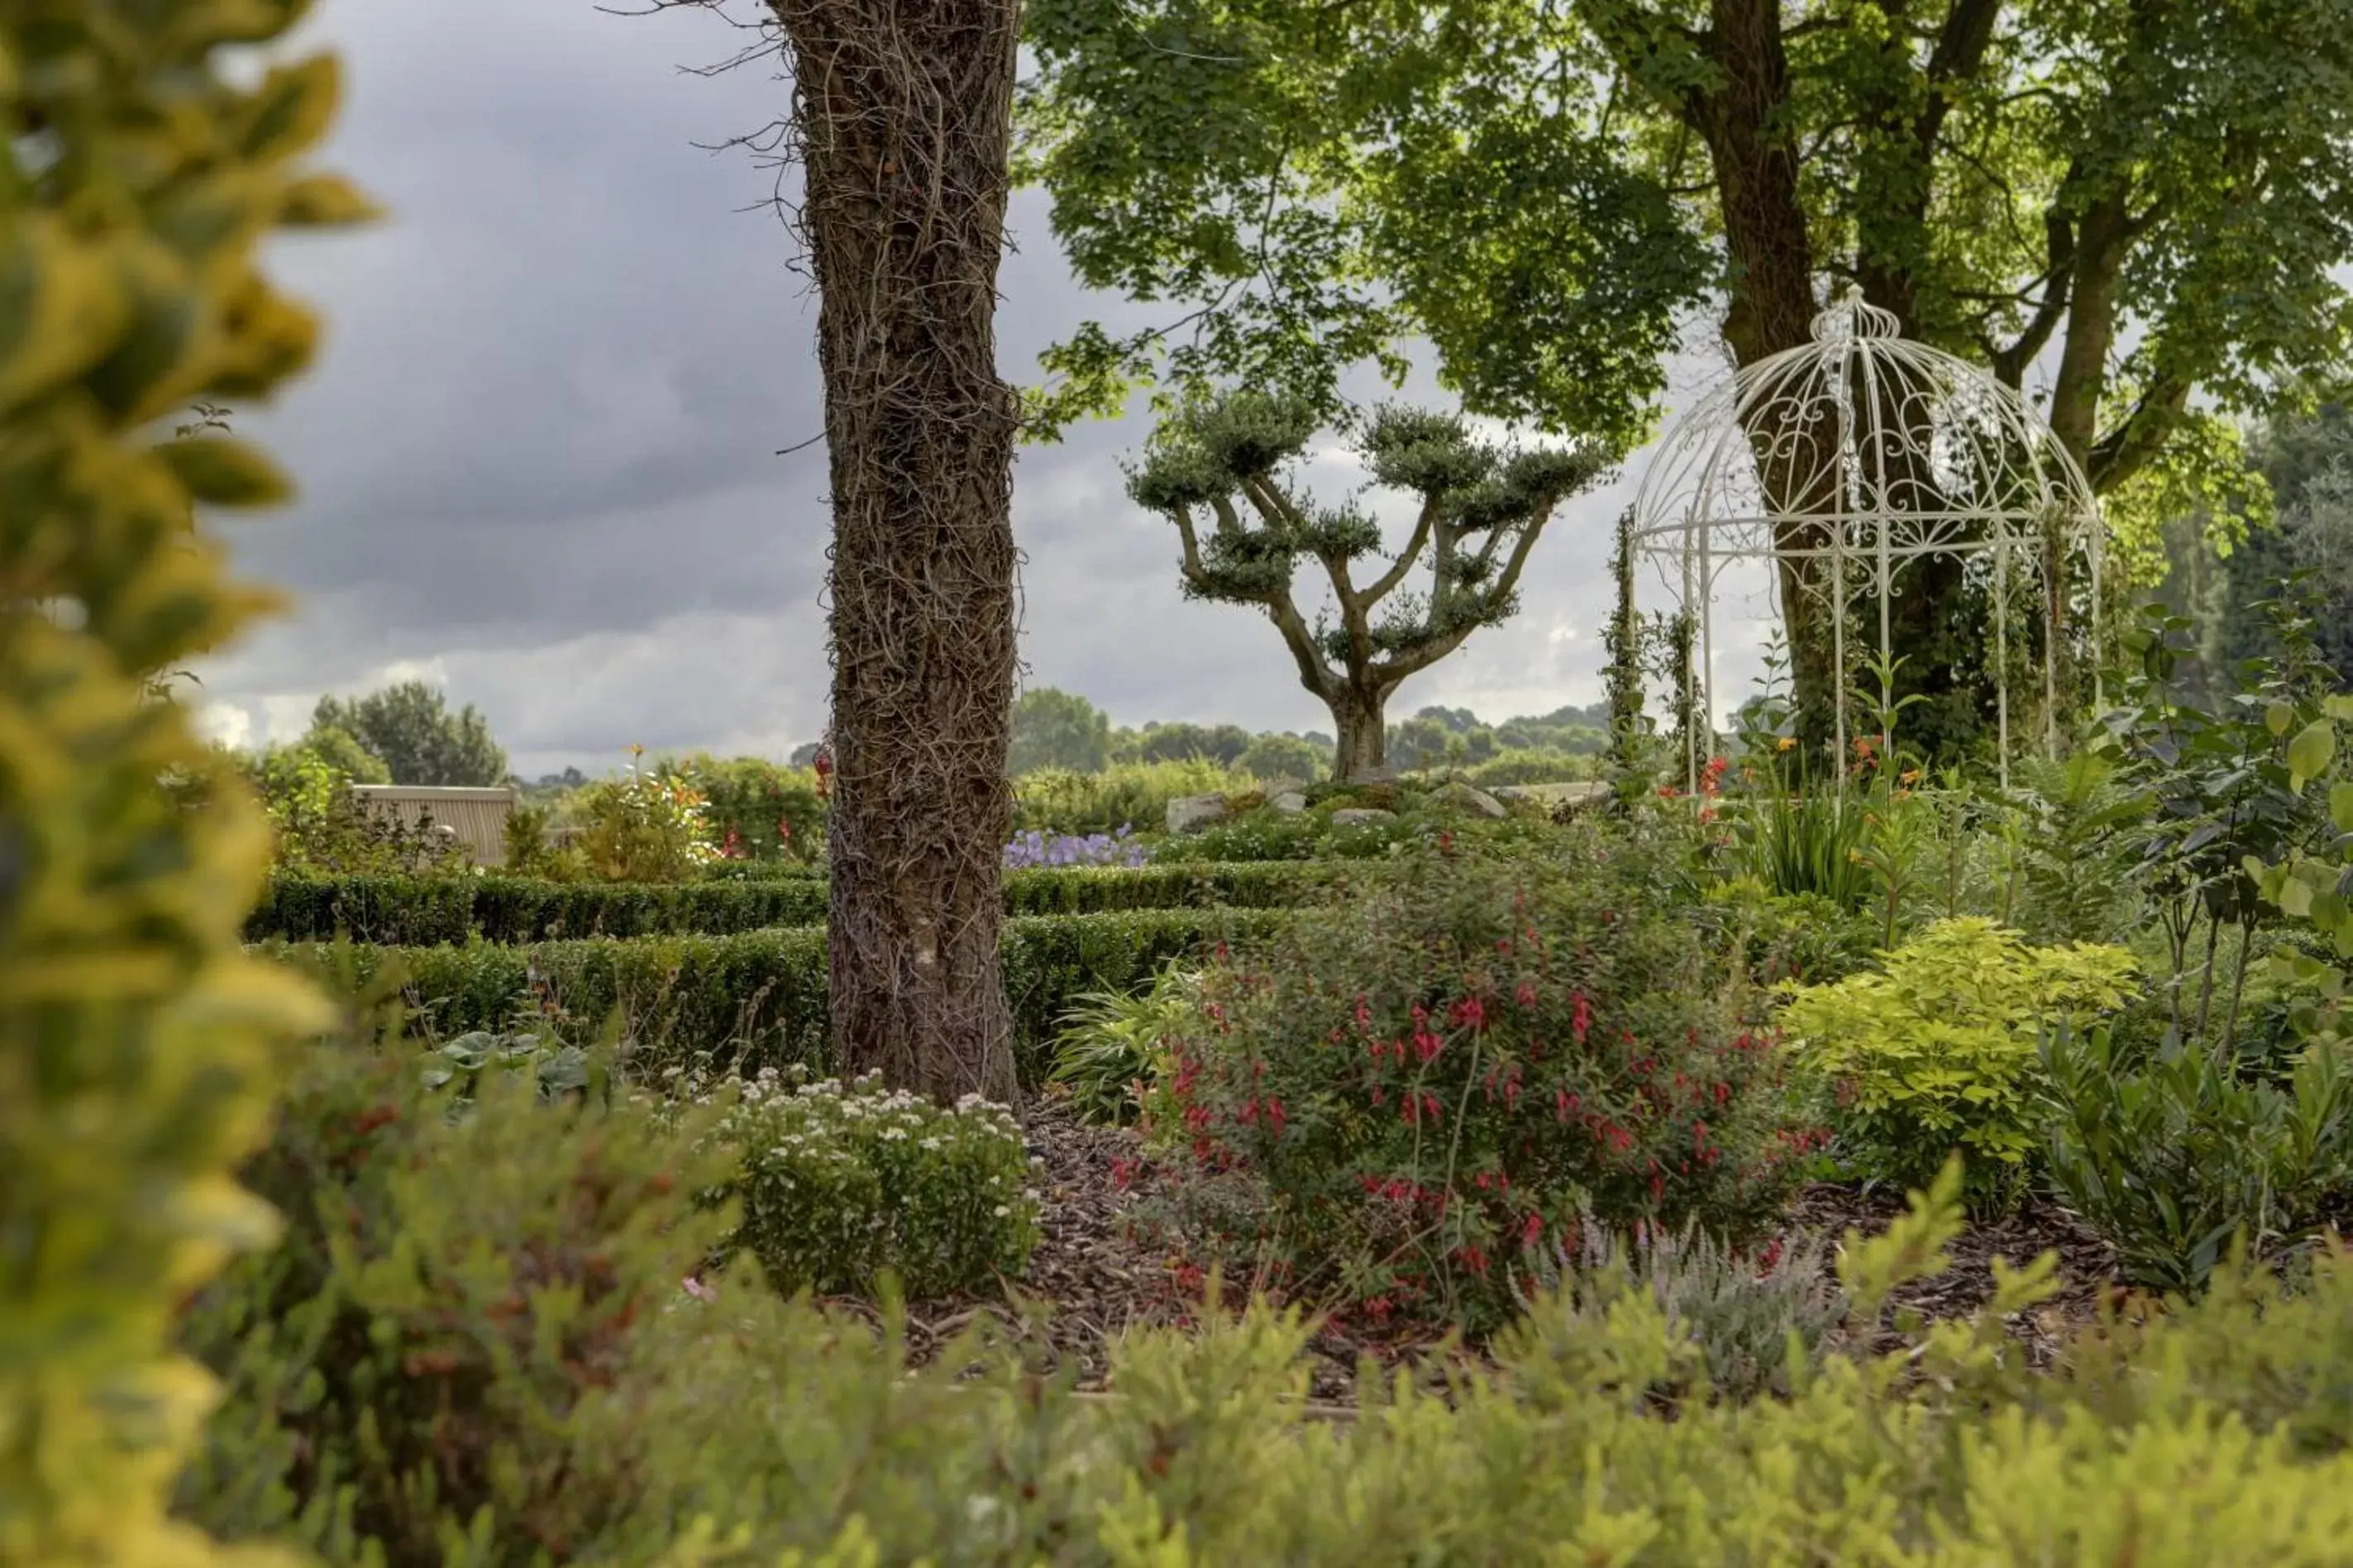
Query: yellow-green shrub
{"points": [[796, 1437], [136, 1041], [1940, 1047]]}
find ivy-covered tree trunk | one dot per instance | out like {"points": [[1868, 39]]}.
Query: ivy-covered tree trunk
{"points": [[903, 108]]}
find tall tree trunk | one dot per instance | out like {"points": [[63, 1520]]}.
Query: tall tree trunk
{"points": [[1361, 717], [903, 109], [1744, 118]]}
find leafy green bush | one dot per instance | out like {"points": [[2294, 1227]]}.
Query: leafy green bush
{"points": [[1786, 937], [1424, 1082], [406, 1372], [838, 1182], [737, 1432], [322, 829], [758, 812], [2173, 1157], [1125, 794], [2211, 1436], [758, 998], [143, 167], [1531, 767], [648, 826], [1113, 1045], [1939, 1048], [409, 912]]}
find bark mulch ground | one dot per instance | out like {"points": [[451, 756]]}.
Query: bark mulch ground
{"points": [[1091, 1278]]}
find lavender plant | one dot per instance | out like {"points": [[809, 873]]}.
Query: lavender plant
{"points": [[1035, 848]]}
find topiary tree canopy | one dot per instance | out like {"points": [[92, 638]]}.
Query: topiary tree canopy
{"points": [[1217, 471]]}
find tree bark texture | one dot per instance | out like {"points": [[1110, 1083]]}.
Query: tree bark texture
{"points": [[1361, 717], [903, 111]]}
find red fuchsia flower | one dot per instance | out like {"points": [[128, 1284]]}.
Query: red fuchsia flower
{"points": [[1532, 1230], [1470, 1013], [1122, 1172], [785, 828], [1769, 1260], [1364, 1013], [1275, 1117], [1427, 1046], [1525, 994], [1580, 1016], [1430, 1108]]}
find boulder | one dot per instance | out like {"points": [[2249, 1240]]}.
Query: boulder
{"points": [[1355, 815], [1461, 797], [1188, 812], [1290, 800]]}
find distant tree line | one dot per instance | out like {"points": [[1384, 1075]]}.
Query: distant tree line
{"points": [[1057, 728]]}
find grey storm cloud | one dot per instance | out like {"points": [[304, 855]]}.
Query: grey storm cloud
{"points": [[538, 464]]}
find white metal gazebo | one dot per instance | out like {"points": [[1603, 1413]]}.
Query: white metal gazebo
{"points": [[1843, 461]]}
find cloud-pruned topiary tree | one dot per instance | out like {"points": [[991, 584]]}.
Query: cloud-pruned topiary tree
{"points": [[1222, 462]]}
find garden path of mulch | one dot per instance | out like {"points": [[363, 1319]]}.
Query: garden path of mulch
{"points": [[1097, 1280]]}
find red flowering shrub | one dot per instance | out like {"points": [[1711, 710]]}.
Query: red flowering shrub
{"points": [[1461, 1063]]}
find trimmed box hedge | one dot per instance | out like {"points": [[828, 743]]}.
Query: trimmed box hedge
{"points": [[755, 999], [423, 912]]}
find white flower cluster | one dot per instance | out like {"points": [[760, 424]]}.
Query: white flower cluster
{"points": [[840, 1178]]}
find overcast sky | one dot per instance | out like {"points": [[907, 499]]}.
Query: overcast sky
{"points": [[537, 458]]}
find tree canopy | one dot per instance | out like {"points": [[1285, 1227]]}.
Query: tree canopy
{"points": [[410, 727], [2144, 205], [2154, 191], [1057, 728]]}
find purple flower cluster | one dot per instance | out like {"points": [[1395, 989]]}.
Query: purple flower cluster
{"points": [[1037, 848]]}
